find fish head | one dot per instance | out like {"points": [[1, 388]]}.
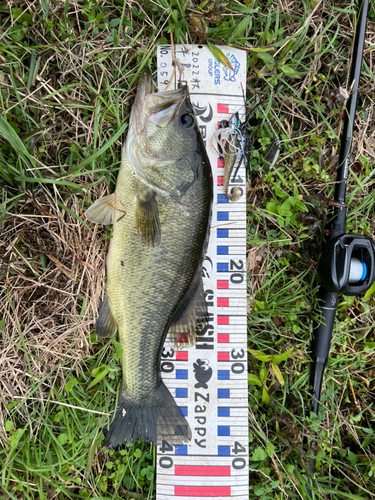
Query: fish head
{"points": [[163, 130]]}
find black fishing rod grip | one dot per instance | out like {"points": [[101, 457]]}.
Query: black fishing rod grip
{"points": [[321, 342], [322, 329]]}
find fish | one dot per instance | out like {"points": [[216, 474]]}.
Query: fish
{"points": [[160, 212]]}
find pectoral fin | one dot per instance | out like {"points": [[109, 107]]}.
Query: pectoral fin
{"points": [[105, 326], [102, 211], [191, 316], [147, 218]]}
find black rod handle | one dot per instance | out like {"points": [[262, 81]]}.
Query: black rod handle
{"points": [[321, 342], [320, 347]]}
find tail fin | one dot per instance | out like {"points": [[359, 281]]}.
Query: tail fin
{"points": [[155, 419]]}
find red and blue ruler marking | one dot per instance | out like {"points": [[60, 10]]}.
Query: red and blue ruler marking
{"points": [[209, 380]]}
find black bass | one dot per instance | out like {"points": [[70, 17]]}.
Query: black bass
{"points": [[160, 213]]}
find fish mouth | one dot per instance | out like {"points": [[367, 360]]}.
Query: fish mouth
{"points": [[162, 107], [144, 88], [158, 107]]}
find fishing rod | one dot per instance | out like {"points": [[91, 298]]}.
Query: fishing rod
{"points": [[347, 263]]}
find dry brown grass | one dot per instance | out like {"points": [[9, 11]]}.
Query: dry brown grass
{"points": [[53, 276]]}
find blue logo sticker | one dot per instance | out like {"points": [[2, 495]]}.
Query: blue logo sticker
{"points": [[230, 76]]}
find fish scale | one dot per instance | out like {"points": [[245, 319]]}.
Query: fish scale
{"points": [[209, 380]]}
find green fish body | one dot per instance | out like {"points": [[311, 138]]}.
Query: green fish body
{"points": [[160, 213]]}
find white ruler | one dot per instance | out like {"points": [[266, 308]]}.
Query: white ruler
{"points": [[209, 380]]}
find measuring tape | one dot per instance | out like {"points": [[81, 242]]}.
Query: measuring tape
{"points": [[209, 380]]}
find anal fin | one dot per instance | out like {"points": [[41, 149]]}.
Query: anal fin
{"points": [[191, 315], [105, 325], [147, 218], [102, 211]]}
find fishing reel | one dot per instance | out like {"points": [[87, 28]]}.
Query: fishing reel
{"points": [[347, 264]]}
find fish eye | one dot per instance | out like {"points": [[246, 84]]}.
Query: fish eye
{"points": [[187, 121]]}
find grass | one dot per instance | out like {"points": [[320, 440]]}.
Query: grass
{"points": [[68, 75]]}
